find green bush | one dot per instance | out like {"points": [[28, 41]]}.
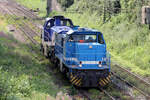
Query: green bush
{"points": [[11, 86]]}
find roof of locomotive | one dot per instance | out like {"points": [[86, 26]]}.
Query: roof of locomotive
{"points": [[71, 30], [82, 30], [61, 29]]}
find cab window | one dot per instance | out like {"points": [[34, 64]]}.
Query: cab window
{"points": [[65, 23], [48, 26], [82, 38]]}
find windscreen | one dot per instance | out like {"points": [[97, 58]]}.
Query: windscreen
{"points": [[66, 22], [82, 38]]}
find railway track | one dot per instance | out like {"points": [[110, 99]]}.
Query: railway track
{"points": [[139, 81], [22, 9], [107, 94], [24, 27], [31, 33], [28, 14], [84, 93], [123, 85], [133, 75], [28, 32], [126, 85]]}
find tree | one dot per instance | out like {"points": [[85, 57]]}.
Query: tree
{"points": [[117, 6], [49, 7]]}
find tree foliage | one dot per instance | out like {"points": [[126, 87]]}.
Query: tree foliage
{"points": [[66, 3]]}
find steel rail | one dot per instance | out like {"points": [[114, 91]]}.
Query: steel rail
{"points": [[129, 84], [108, 94], [22, 9], [133, 74], [26, 32], [26, 12], [83, 93]]}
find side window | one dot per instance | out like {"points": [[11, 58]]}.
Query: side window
{"points": [[90, 38], [64, 23], [100, 39], [48, 26], [68, 24]]}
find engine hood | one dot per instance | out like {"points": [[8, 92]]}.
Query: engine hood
{"points": [[90, 51]]}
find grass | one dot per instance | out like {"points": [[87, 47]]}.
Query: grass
{"points": [[25, 77], [24, 73]]}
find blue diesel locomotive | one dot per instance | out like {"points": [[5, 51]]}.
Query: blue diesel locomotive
{"points": [[78, 52]]}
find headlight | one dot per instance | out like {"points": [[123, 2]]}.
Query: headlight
{"points": [[100, 64], [80, 65]]}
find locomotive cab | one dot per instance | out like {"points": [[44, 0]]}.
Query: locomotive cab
{"points": [[87, 49], [85, 53]]}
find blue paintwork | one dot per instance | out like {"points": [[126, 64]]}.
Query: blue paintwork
{"points": [[71, 53], [82, 52]]}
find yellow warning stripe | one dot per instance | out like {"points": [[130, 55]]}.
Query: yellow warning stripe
{"points": [[108, 78], [100, 83], [103, 82], [73, 78], [78, 81], [107, 81]]}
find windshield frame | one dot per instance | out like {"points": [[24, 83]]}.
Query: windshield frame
{"points": [[69, 37], [97, 37]]}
